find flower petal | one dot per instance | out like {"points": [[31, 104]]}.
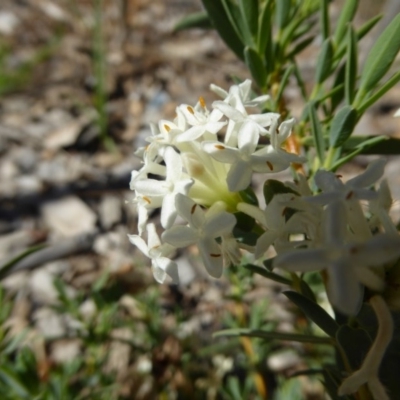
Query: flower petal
{"points": [[211, 255], [239, 176], [180, 236]]}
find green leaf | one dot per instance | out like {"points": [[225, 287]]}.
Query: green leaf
{"points": [[248, 196], [249, 10], [362, 149], [351, 66], [236, 18], [272, 187], [283, 82], [299, 47], [346, 15], [290, 337], [368, 26], [244, 222], [256, 66], [342, 126], [8, 266], [306, 291], [332, 380], [195, 20], [265, 32], [325, 26], [339, 95], [324, 62], [355, 343], [395, 78], [267, 274], [316, 130], [15, 386], [283, 8], [381, 56], [382, 145], [315, 312], [220, 21]]}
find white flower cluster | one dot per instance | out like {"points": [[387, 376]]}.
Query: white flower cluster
{"points": [[191, 173], [188, 171]]}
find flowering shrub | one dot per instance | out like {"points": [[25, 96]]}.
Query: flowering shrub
{"points": [[198, 169]]}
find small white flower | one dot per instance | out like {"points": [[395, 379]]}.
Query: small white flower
{"points": [[202, 122], [347, 263], [397, 113], [240, 93], [203, 229], [245, 159], [355, 189], [159, 252], [175, 182]]}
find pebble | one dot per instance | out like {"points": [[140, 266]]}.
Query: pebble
{"points": [[68, 217]]}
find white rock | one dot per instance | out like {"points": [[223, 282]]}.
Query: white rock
{"points": [[49, 323], [110, 211], [68, 217], [42, 287], [63, 136], [283, 360], [8, 22], [64, 351]]}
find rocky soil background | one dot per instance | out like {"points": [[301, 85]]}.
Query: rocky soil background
{"points": [[79, 83]]}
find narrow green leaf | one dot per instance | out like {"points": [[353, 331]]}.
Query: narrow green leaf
{"points": [[290, 337], [300, 81], [362, 149], [15, 386], [195, 20], [8, 266], [382, 145], [324, 62], [381, 56], [265, 31], [360, 33], [267, 274], [299, 47], [256, 66], [283, 8], [332, 380], [272, 187], [283, 82], [395, 78], [339, 95], [249, 10], [346, 15], [315, 312], [368, 26], [304, 28], [248, 196], [223, 25], [316, 130], [306, 291], [238, 22], [325, 26], [351, 66], [244, 222], [342, 127], [347, 337]]}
